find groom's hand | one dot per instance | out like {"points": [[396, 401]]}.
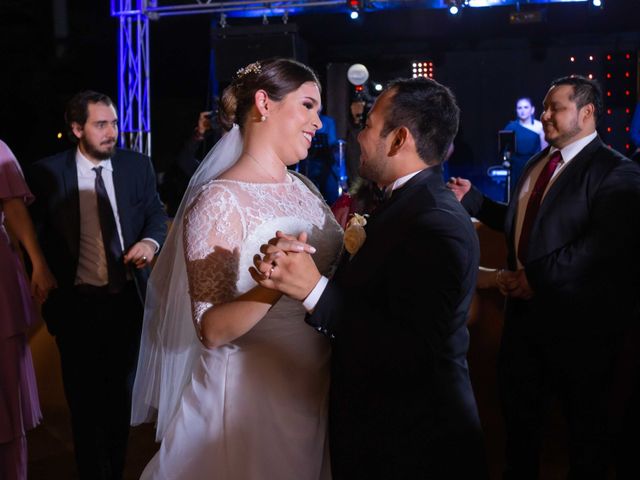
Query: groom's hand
{"points": [[286, 266], [516, 285]]}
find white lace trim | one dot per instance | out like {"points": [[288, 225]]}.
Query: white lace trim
{"points": [[227, 222]]}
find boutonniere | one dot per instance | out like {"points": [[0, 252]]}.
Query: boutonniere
{"points": [[355, 234]]}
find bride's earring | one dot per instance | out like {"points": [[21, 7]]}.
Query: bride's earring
{"points": [[263, 118]]}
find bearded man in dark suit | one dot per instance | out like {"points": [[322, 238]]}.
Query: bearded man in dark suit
{"points": [[572, 286], [100, 222], [401, 402]]}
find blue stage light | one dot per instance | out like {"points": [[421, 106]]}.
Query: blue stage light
{"points": [[354, 15]]}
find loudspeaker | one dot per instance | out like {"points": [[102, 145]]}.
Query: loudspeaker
{"points": [[236, 47]]}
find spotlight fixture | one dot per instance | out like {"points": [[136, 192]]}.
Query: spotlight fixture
{"points": [[357, 75], [597, 3], [455, 6], [378, 87], [355, 7], [422, 69]]}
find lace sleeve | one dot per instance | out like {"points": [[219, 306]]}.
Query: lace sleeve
{"points": [[213, 229]]}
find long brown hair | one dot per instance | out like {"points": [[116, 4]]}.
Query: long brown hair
{"points": [[278, 77]]}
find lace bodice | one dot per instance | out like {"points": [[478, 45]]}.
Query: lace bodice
{"points": [[229, 220]]}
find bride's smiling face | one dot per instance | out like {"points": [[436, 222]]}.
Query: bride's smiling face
{"points": [[294, 122]]}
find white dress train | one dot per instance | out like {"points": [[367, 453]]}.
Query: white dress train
{"points": [[255, 409]]}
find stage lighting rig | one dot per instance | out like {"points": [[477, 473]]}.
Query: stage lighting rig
{"points": [[358, 76], [455, 6], [422, 69], [355, 7]]}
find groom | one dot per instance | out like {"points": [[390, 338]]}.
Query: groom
{"points": [[401, 403]]}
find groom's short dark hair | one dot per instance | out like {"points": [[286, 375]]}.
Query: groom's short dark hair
{"points": [[429, 111]]}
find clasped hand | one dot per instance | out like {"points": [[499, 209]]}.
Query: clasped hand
{"points": [[286, 265], [514, 284]]}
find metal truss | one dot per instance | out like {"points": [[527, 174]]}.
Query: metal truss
{"points": [[133, 46], [133, 74], [133, 54], [237, 7]]}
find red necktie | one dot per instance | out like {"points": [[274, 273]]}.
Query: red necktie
{"points": [[534, 203]]}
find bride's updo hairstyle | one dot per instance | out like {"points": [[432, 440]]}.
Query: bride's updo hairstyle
{"points": [[278, 77]]}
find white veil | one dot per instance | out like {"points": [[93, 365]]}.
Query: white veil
{"points": [[169, 345]]}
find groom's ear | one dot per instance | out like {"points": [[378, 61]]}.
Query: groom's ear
{"points": [[399, 138]]}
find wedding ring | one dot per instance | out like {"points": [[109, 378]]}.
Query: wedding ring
{"points": [[270, 271]]}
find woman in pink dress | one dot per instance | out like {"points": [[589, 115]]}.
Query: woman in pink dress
{"points": [[19, 405]]}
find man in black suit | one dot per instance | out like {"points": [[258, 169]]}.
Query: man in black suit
{"points": [[572, 284], [401, 403], [100, 223]]}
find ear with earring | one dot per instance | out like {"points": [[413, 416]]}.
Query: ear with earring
{"points": [[260, 99]]}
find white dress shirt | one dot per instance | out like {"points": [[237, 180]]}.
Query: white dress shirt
{"points": [[568, 153], [92, 259]]}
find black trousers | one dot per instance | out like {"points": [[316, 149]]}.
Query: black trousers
{"points": [[534, 369], [98, 340]]}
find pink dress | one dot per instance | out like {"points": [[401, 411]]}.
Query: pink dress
{"points": [[19, 405]]}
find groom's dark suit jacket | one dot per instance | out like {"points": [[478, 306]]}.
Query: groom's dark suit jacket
{"points": [[401, 402]]}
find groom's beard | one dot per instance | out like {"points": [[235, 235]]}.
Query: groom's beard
{"points": [[373, 168]]}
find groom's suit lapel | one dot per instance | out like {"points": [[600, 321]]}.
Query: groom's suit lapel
{"points": [[386, 228]]}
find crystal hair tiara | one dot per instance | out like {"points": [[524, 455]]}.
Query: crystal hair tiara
{"points": [[254, 67]]}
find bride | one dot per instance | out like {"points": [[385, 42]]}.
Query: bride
{"points": [[249, 401]]}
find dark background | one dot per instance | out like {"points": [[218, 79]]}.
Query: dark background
{"points": [[45, 57]]}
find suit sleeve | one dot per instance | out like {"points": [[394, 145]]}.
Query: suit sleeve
{"points": [[155, 217], [608, 249], [488, 211], [327, 314], [434, 286]]}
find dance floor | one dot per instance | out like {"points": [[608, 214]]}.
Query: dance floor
{"points": [[50, 446], [51, 449]]}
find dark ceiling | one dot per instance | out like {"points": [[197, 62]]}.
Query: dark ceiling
{"points": [[47, 56]]}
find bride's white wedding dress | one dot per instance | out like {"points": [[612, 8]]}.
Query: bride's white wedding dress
{"points": [[257, 407]]}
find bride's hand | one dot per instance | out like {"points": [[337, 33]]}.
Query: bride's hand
{"points": [[291, 243], [286, 266]]}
